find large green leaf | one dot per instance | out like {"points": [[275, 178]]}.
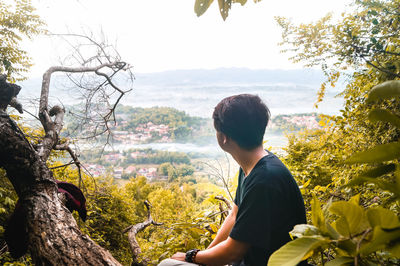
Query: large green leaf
{"points": [[384, 115], [386, 90], [317, 216], [224, 7], [201, 6], [383, 218], [377, 154], [294, 251], [339, 261], [351, 219], [380, 239]]}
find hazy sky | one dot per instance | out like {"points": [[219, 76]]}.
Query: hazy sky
{"points": [[158, 35]]}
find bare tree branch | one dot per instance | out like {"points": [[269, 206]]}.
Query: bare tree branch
{"points": [[223, 211], [54, 237], [133, 230]]}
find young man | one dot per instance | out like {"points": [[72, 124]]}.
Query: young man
{"points": [[268, 202]]}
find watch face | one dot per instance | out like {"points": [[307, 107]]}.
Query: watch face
{"points": [[190, 255]]}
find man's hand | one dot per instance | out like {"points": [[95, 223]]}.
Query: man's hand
{"points": [[179, 256]]}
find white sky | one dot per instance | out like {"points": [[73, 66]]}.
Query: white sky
{"points": [[158, 35]]}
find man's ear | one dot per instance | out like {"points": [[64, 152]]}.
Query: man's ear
{"points": [[224, 138]]}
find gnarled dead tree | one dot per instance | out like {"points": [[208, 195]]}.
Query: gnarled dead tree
{"points": [[51, 231], [133, 230]]}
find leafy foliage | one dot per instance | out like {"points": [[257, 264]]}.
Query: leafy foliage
{"points": [[17, 21], [201, 6], [366, 38], [111, 209], [354, 199]]}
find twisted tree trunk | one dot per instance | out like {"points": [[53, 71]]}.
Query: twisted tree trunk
{"points": [[52, 232], [44, 225]]}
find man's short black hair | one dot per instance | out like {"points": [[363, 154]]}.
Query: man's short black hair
{"points": [[242, 118]]}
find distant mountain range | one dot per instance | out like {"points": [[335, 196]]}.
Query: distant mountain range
{"points": [[212, 77], [229, 76], [197, 91]]}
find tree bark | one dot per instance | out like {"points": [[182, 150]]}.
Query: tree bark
{"points": [[53, 235]]}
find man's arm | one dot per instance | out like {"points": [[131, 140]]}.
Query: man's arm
{"points": [[223, 249], [226, 227], [223, 253]]}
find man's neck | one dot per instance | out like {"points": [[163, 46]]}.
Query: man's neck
{"points": [[248, 159]]}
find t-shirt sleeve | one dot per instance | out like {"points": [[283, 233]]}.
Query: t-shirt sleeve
{"points": [[253, 220]]}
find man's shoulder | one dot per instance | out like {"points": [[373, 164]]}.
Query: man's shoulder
{"points": [[272, 174], [271, 165]]}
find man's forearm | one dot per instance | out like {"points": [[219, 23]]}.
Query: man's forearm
{"points": [[222, 253], [225, 229]]}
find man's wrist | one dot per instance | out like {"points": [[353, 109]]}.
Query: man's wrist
{"points": [[191, 255]]}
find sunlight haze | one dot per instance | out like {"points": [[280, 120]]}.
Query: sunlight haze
{"points": [[159, 35]]}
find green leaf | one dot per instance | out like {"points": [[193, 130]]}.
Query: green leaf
{"points": [[380, 239], [242, 2], [332, 232], [384, 115], [224, 7], [383, 218], [201, 6], [395, 250], [377, 154], [388, 186], [317, 216], [375, 21], [373, 12], [379, 171], [339, 261], [355, 199], [347, 248], [6, 64], [301, 230], [294, 251], [386, 90], [352, 218]]}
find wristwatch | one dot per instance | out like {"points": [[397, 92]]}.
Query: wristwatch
{"points": [[191, 255]]}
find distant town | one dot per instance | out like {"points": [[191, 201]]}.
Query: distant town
{"points": [[143, 133], [124, 164]]}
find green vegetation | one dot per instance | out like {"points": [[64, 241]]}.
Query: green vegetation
{"points": [[201, 6], [182, 127], [188, 211], [134, 156], [17, 21], [173, 172], [145, 125], [111, 209], [348, 170], [294, 122]]}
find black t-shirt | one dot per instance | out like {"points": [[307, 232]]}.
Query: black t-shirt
{"points": [[270, 205]]}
